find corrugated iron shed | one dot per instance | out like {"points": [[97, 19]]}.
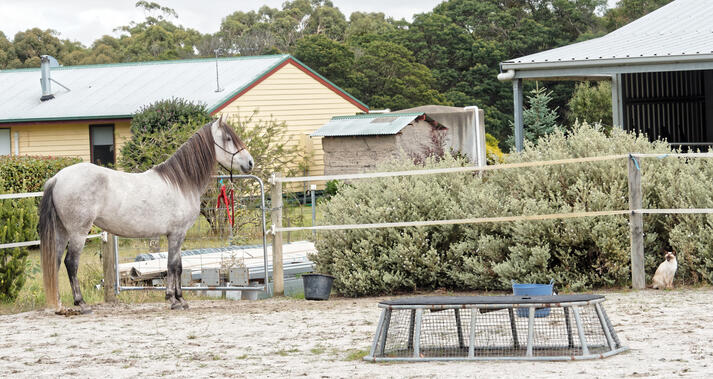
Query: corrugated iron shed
{"points": [[366, 125], [679, 31], [119, 90]]}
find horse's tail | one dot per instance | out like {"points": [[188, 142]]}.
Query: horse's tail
{"points": [[48, 245]]}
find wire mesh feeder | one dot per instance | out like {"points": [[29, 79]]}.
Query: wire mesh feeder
{"points": [[488, 328]]}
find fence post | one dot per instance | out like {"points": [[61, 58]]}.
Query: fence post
{"points": [[109, 267], [312, 190], [278, 280], [636, 225]]}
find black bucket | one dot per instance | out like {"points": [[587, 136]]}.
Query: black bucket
{"points": [[317, 286]]}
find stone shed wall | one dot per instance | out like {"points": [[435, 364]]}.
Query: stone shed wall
{"points": [[355, 154], [416, 138], [351, 155]]}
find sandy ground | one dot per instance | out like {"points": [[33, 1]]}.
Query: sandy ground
{"points": [[669, 333]]}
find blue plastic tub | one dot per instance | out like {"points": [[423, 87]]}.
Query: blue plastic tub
{"points": [[521, 289]]}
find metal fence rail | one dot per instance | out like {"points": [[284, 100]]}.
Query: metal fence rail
{"points": [[635, 210], [25, 195]]}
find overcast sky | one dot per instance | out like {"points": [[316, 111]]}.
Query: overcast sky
{"points": [[88, 20]]}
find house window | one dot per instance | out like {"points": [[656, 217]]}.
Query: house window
{"points": [[5, 142], [102, 144]]}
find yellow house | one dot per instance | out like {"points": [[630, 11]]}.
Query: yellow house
{"points": [[86, 111]]}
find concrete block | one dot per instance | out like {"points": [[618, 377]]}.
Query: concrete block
{"points": [[210, 276], [238, 276]]}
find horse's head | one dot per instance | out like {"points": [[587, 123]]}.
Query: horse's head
{"points": [[230, 151]]}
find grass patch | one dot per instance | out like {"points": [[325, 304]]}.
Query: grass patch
{"points": [[317, 350], [299, 295], [284, 353], [356, 355]]}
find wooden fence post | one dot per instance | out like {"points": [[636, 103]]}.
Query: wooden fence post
{"points": [[109, 268], [636, 225], [278, 280]]}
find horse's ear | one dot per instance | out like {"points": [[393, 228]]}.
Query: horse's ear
{"points": [[220, 120]]}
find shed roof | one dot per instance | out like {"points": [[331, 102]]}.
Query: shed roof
{"points": [[119, 90], [373, 124], [677, 32]]}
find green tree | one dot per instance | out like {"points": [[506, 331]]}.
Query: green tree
{"points": [[538, 118], [330, 58], [627, 11], [591, 103], [326, 20], [278, 30], [107, 49], [8, 58], [387, 76], [158, 39], [361, 24], [31, 43], [463, 42]]}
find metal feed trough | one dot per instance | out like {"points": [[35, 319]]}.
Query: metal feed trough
{"points": [[489, 328]]}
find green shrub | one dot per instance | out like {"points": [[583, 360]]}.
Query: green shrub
{"points": [[19, 217], [18, 222], [331, 188], [493, 154], [578, 253], [28, 173], [591, 103]]}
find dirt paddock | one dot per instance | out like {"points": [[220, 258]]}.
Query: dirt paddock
{"points": [[670, 333]]}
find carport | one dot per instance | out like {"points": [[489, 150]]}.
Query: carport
{"points": [[660, 66]]}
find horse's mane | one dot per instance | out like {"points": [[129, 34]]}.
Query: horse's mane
{"points": [[193, 164]]}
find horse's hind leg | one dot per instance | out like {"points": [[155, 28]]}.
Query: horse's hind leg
{"points": [[71, 261], [174, 294]]}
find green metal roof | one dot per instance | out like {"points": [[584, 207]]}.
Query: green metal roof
{"points": [[118, 90], [366, 124]]}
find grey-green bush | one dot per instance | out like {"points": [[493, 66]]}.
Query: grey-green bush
{"points": [[579, 253]]}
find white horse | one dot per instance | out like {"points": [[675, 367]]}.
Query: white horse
{"points": [[164, 200]]}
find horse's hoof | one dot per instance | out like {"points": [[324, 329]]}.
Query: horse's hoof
{"points": [[68, 312], [185, 305], [175, 306]]}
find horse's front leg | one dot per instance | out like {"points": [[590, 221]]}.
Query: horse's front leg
{"points": [[174, 266]]}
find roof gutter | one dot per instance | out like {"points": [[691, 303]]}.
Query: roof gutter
{"points": [[54, 120], [628, 61], [506, 76]]}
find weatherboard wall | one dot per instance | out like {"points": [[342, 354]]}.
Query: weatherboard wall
{"points": [[63, 139], [295, 97]]}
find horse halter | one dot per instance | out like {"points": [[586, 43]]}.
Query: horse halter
{"points": [[232, 157]]}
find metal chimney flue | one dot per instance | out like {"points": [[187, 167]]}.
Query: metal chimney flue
{"points": [[45, 79]]}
